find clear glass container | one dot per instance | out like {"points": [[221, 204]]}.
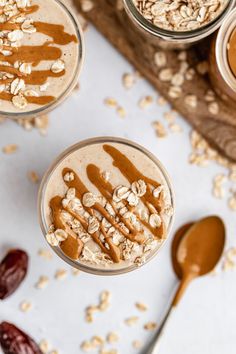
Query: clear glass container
{"points": [[174, 39], [74, 80], [222, 78], [42, 198]]}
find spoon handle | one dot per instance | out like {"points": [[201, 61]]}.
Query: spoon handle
{"points": [[156, 343]]}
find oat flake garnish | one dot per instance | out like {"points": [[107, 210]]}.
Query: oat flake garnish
{"points": [[88, 200], [58, 66], [19, 101]]}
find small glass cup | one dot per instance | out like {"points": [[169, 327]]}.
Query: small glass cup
{"points": [[222, 78], [174, 39], [74, 80], [43, 188]]}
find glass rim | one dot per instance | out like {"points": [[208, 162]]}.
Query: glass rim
{"points": [[46, 179], [49, 107], [222, 38], [184, 36]]}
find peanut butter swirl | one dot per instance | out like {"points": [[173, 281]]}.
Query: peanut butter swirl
{"points": [[111, 214], [13, 74]]}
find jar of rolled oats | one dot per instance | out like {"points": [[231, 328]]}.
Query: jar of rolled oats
{"points": [[106, 206], [177, 24], [222, 68]]}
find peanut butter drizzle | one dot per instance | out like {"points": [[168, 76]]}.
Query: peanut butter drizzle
{"points": [[35, 54], [40, 100], [56, 207], [106, 190], [132, 174]]}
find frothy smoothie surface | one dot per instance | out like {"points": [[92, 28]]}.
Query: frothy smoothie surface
{"points": [[107, 205], [39, 53]]}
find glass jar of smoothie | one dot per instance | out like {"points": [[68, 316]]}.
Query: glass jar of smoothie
{"points": [[41, 53], [177, 24], [222, 68], [106, 206]]}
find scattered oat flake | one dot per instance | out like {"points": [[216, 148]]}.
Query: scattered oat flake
{"points": [[137, 344], [104, 304], [150, 326], [42, 282], [25, 306], [86, 346], [131, 321], [128, 80], [145, 101], [33, 177], [229, 259], [121, 112], [61, 274], [161, 101], [175, 128], [112, 337], [41, 123], [75, 271], [110, 351], [44, 346], [111, 102], [141, 306], [45, 253], [97, 341], [160, 130], [10, 149]]}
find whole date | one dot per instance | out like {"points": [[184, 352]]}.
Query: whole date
{"points": [[13, 269]]}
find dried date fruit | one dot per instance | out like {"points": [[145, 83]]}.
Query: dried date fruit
{"points": [[13, 269], [14, 341]]}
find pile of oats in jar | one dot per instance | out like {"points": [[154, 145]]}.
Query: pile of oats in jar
{"points": [[180, 15]]}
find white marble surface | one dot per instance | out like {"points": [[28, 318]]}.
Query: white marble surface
{"points": [[205, 320]]}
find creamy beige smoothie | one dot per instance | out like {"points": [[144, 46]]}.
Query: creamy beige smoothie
{"points": [[107, 205], [40, 54]]}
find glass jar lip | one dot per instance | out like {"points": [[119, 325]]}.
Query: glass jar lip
{"points": [[52, 168], [222, 38], [177, 35], [48, 108]]}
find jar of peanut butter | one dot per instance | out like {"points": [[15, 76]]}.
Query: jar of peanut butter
{"points": [[223, 60]]}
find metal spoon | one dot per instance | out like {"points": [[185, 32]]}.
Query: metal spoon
{"points": [[196, 249]]}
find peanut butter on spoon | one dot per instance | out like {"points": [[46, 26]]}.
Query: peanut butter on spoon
{"points": [[196, 249], [199, 251]]}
